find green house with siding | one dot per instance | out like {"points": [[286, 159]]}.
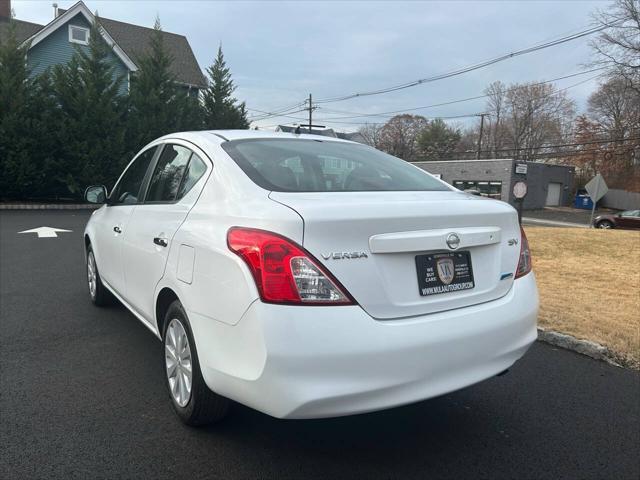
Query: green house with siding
{"points": [[56, 42]]}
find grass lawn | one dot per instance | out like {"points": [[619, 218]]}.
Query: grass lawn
{"points": [[589, 282]]}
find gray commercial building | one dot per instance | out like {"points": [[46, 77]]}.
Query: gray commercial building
{"points": [[547, 185]]}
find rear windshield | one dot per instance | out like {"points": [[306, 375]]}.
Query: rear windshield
{"points": [[301, 165]]}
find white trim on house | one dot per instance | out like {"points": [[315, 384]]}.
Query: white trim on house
{"points": [[60, 20], [75, 40]]}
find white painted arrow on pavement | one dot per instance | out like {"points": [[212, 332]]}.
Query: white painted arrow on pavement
{"points": [[46, 232]]}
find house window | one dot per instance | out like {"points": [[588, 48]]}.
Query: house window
{"points": [[485, 188], [78, 35]]}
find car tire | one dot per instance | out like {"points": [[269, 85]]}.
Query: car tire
{"points": [[198, 405], [605, 224], [98, 293]]}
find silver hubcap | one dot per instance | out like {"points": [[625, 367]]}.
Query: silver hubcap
{"points": [[177, 354], [91, 275]]}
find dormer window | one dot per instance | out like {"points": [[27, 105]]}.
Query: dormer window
{"points": [[78, 35]]}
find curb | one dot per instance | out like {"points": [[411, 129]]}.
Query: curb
{"points": [[552, 223], [48, 206], [583, 347]]}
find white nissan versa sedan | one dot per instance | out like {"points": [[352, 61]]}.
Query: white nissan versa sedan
{"points": [[307, 276]]}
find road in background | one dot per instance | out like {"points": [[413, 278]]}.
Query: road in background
{"points": [[82, 396], [565, 214]]}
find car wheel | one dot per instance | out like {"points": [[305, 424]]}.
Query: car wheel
{"points": [[190, 397], [100, 296], [605, 224]]}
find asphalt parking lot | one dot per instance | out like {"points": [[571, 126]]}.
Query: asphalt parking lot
{"points": [[82, 396]]}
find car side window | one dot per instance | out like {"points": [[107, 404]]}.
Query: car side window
{"points": [[195, 170], [127, 192], [167, 176]]}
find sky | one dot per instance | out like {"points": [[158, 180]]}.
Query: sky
{"points": [[280, 52]]}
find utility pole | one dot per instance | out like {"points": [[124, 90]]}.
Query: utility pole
{"points": [[310, 110], [482, 115]]}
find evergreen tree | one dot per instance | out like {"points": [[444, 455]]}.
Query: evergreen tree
{"points": [[220, 107], [438, 141], [88, 93], [15, 163], [158, 105]]}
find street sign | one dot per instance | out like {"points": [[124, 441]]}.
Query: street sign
{"points": [[46, 232], [519, 190], [521, 168], [596, 188]]}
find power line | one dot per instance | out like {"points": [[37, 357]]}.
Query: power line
{"points": [[577, 153], [543, 45], [441, 117], [462, 100], [473, 67], [321, 120], [577, 144], [449, 117], [564, 39], [389, 114], [561, 145], [276, 111], [272, 115], [555, 154]]}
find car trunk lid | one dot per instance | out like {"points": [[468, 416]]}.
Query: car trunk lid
{"points": [[370, 240]]}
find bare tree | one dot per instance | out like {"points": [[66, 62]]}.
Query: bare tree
{"points": [[399, 136], [618, 46], [371, 134], [615, 106], [468, 143], [615, 111], [525, 118], [495, 139]]}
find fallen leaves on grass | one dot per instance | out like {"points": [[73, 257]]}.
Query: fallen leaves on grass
{"points": [[589, 283]]}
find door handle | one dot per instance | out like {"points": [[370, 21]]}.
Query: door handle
{"points": [[117, 229], [160, 241]]}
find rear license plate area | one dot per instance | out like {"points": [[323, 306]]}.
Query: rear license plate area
{"points": [[444, 273]]}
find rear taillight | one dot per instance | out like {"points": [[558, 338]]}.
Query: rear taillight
{"points": [[524, 263], [283, 271]]}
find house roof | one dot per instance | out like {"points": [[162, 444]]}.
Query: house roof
{"points": [[134, 42], [23, 29], [61, 19]]}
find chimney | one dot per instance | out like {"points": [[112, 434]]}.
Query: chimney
{"points": [[5, 9], [55, 10]]}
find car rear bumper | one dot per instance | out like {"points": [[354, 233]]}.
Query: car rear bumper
{"points": [[309, 362]]}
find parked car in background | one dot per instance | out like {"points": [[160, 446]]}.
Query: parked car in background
{"points": [[309, 276], [629, 219]]}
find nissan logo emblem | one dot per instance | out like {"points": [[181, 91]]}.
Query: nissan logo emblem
{"points": [[453, 241]]}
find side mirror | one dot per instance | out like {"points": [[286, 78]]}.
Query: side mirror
{"points": [[96, 194]]}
